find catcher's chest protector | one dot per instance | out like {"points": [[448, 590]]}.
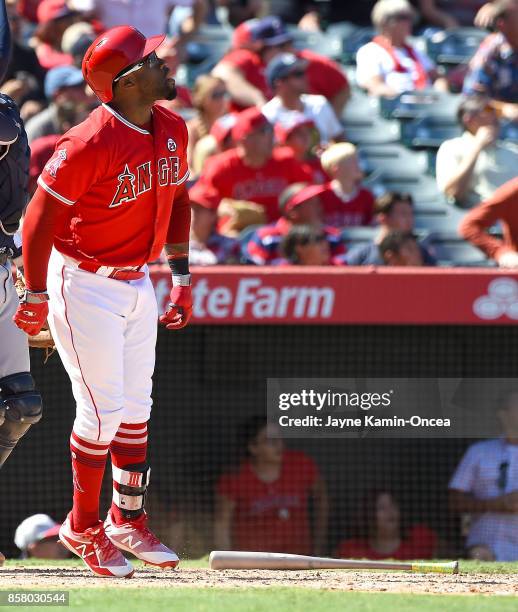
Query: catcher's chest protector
{"points": [[14, 169]]}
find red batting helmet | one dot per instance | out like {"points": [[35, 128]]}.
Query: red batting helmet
{"points": [[113, 52]]}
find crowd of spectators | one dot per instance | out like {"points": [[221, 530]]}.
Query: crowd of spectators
{"points": [[269, 114]]}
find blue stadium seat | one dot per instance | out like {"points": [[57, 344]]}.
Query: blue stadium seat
{"points": [[371, 130], [360, 106], [438, 221], [455, 46], [450, 249], [392, 160], [325, 44], [353, 236], [427, 103], [428, 132], [509, 131], [353, 41]]}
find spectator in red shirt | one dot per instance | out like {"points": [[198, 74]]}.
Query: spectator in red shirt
{"points": [[502, 207], [253, 171], [263, 505], [300, 137], [54, 17], [300, 205], [345, 202], [258, 41], [380, 534], [218, 139]]}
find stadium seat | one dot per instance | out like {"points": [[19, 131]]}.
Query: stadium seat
{"points": [[360, 106], [429, 103], [455, 46], [371, 130], [438, 221], [353, 41], [450, 249], [392, 160], [509, 131], [325, 44], [353, 236], [428, 132]]}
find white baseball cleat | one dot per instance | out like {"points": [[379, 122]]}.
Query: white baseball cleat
{"points": [[96, 550], [134, 537]]}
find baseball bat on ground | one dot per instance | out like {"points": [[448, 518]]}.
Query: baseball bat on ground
{"points": [[231, 559]]}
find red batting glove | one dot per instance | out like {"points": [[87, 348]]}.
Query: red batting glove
{"points": [[179, 309], [32, 312]]}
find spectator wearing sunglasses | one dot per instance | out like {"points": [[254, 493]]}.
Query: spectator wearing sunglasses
{"points": [[210, 99], [389, 64], [300, 206], [304, 245], [471, 167], [286, 76]]}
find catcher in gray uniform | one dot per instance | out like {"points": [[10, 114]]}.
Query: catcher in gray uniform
{"points": [[20, 403]]}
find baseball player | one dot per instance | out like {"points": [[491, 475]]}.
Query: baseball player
{"points": [[20, 403], [107, 200]]}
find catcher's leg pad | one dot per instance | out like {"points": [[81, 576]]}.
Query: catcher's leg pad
{"points": [[20, 407], [129, 488]]}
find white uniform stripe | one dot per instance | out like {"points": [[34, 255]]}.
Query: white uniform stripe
{"points": [[123, 120], [131, 440], [184, 178], [132, 431], [55, 193], [85, 449]]}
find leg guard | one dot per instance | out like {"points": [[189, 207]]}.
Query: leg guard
{"points": [[20, 407], [129, 488]]}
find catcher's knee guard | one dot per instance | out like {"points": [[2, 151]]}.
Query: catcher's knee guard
{"points": [[20, 407], [129, 488]]}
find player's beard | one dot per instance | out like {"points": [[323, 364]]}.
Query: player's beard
{"points": [[171, 91]]}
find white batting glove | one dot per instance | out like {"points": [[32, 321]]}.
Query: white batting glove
{"points": [[508, 260]]}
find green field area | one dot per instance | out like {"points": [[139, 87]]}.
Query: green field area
{"points": [[131, 596]]}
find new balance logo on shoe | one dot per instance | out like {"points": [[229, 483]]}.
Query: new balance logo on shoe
{"points": [[129, 542]]}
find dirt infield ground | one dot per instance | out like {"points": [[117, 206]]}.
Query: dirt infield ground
{"points": [[57, 577]]}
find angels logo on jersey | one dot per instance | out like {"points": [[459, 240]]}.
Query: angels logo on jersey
{"points": [[52, 166], [132, 184]]}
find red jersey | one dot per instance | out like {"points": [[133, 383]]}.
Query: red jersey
{"points": [[324, 76], [272, 516], [227, 176], [119, 182], [420, 543], [341, 211]]}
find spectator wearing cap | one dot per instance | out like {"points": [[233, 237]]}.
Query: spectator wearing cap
{"points": [[345, 202], [299, 136], [219, 139], [501, 207], [37, 537], [394, 211], [494, 67], [299, 205], [286, 76], [389, 64], [206, 245], [400, 248], [210, 99], [54, 17], [255, 43], [76, 39], [65, 90], [472, 166], [252, 171]]}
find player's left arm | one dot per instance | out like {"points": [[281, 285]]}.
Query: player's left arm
{"points": [[179, 310], [321, 513]]}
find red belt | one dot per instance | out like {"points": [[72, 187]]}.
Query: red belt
{"points": [[128, 273]]}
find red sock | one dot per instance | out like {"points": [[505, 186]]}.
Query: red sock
{"points": [[88, 462], [129, 447]]}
